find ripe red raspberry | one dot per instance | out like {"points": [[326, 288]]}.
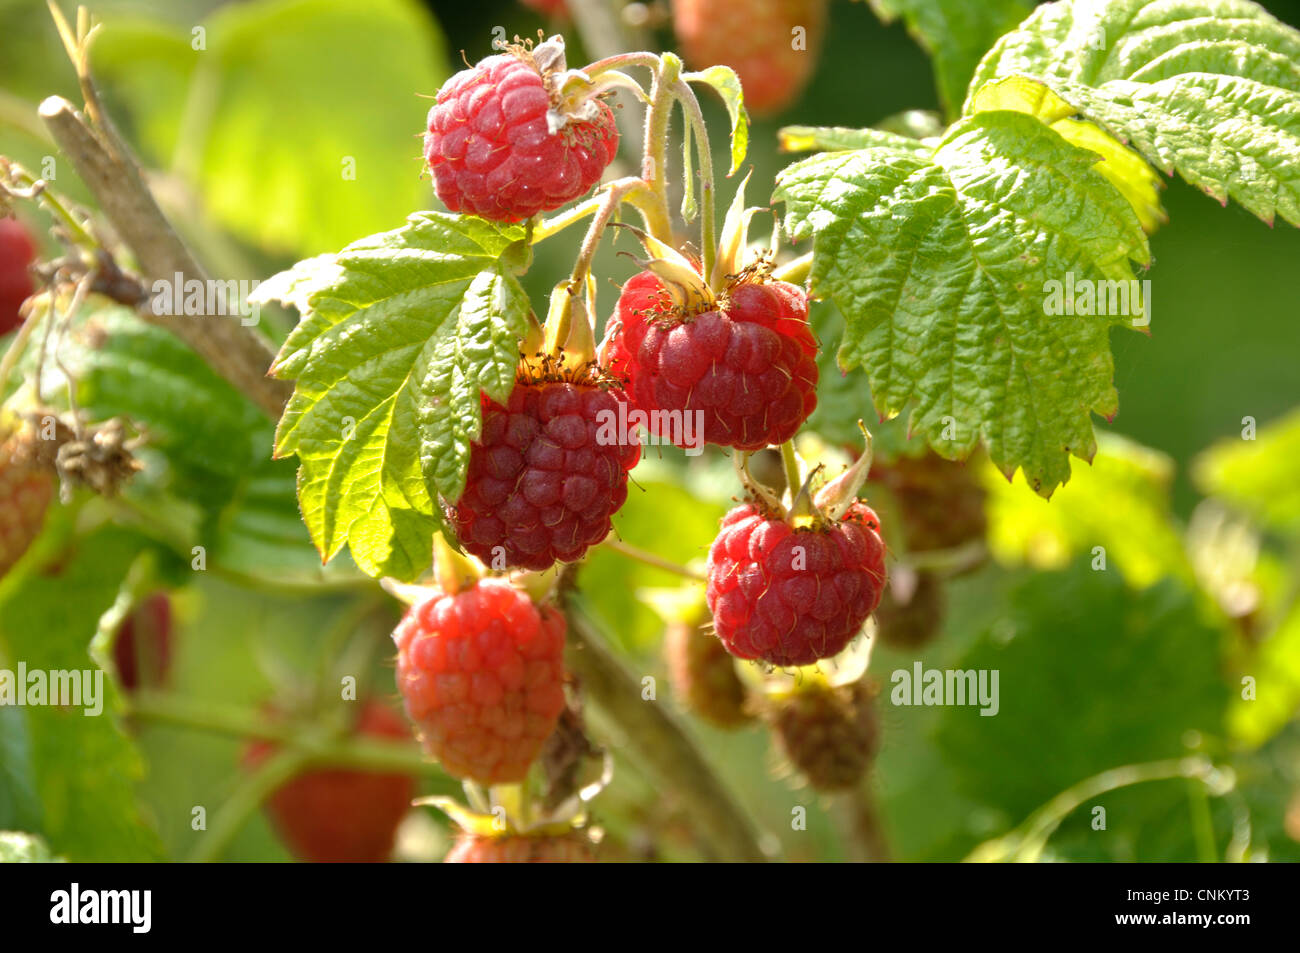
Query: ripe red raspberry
{"points": [[545, 476], [911, 621], [17, 251], [747, 370], [520, 849], [332, 816], [549, 8], [829, 734], [755, 38], [941, 501], [503, 142], [703, 675], [482, 675], [792, 596], [26, 491], [142, 647]]}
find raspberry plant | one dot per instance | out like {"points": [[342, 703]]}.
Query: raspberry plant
{"points": [[587, 417]]}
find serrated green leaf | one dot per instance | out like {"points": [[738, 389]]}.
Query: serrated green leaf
{"points": [[956, 33], [400, 333], [727, 84], [1120, 502], [837, 138], [1259, 476], [280, 131], [1209, 88], [942, 267], [1124, 168], [85, 768]]}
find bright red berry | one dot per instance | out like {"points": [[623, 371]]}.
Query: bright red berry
{"points": [[142, 647], [791, 596], [521, 849], [758, 39], [703, 675], [546, 475], [829, 733], [746, 370], [17, 251], [505, 141], [26, 491], [482, 674], [333, 816]]}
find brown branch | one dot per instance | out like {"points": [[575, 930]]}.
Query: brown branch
{"points": [[236, 352]]}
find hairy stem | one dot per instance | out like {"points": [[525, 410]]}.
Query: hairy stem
{"points": [[362, 754], [703, 150], [790, 464], [654, 162], [859, 816], [650, 559], [248, 796]]}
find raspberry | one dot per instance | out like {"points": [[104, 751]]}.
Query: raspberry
{"points": [[333, 816], [755, 38], [829, 734], [911, 621], [17, 251], [544, 478], [482, 675], [746, 370], [549, 8], [520, 849], [792, 596], [142, 646], [26, 491], [503, 143], [704, 676], [941, 502]]}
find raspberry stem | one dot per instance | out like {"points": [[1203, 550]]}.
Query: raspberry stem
{"points": [[790, 464], [694, 116], [650, 559], [654, 161]]}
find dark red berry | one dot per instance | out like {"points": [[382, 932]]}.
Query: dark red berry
{"points": [[829, 734], [545, 476], [482, 674], [792, 596], [911, 611], [143, 646], [17, 251], [941, 501], [746, 369], [703, 675], [503, 145]]}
